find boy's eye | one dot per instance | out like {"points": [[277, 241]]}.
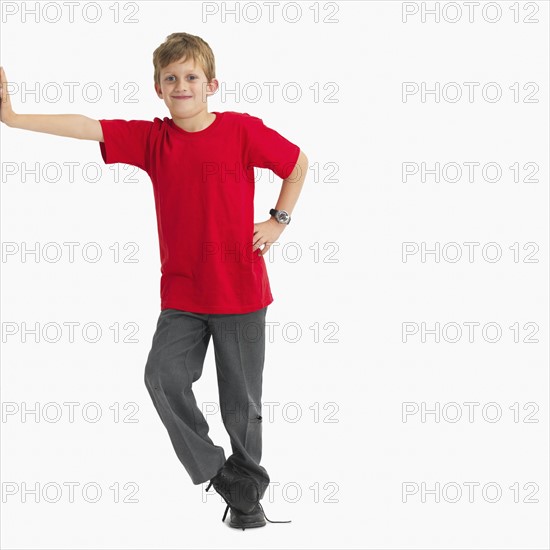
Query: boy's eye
{"points": [[193, 77]]}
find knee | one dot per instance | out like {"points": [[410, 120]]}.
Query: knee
{"points": [[163, 374], [151, 375]]}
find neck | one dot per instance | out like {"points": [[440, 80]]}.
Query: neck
{"points": [[196, 123]]}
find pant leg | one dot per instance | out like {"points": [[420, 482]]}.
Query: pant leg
{"points": [[239, 345], [174, 363]]}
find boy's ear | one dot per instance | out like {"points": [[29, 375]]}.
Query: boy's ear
{"points": [[158, 90], [212, 86]]}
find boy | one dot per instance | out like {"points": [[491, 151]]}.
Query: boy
{"points": [[214, 281]]}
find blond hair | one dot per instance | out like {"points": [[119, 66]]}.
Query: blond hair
{"points": [[180, 45]]}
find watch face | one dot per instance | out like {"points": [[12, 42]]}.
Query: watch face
{"points": [[283, 216]]}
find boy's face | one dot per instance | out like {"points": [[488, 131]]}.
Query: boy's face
{"points": [[184, 88]]}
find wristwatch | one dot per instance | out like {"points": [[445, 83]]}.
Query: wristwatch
{"points": [[281, 216]]}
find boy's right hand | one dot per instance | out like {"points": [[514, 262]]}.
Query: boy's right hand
{"points": [[6, 112]]}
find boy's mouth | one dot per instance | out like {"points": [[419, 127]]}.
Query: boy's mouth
{"points": [[181, 97]]}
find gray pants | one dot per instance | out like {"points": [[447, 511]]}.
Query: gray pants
{"points": [[176, 361]]}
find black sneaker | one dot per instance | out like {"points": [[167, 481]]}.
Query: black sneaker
{"points": [[245, 521], [240, 492]]}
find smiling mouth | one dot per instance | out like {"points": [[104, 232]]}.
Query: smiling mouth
{"points": [[181, 97]]}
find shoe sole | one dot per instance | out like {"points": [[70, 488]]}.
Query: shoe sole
{"points": [[247, 525]]}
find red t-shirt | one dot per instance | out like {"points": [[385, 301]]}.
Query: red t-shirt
{"points": [[203, 184]]}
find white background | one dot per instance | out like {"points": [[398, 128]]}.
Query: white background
{"points": [[361, 372]]}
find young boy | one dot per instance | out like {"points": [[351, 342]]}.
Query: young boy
{"points": [[214, 281]]}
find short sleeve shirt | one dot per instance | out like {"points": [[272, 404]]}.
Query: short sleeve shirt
{"points": [[203, 185]]}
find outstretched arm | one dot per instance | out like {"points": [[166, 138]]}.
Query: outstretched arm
{"points": [[74, 126]]}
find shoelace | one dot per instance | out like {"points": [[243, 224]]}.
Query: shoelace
{"points": [[281, 521]]}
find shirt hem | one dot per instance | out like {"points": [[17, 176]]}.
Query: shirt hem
{"points": [[215, 310]]}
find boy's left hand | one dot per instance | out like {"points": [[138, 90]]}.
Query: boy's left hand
{"points": [[266, 233]]}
